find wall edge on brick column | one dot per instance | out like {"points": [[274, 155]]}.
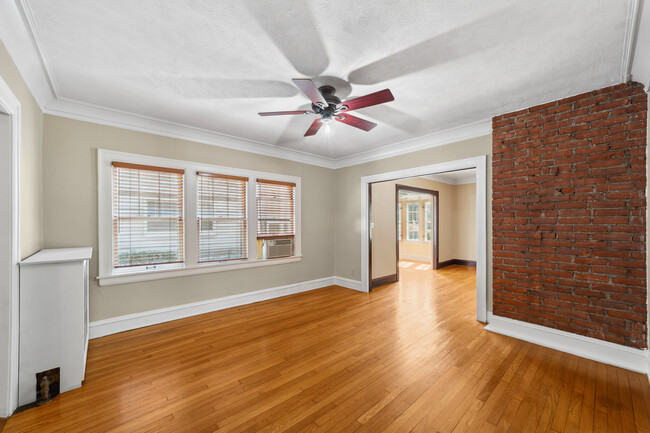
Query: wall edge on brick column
{"points": [[591, 348]]}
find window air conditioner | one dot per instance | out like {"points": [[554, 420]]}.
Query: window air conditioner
{"points": [[274, 248]]}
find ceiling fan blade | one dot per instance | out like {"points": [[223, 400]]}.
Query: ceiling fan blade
{"points": [[283, 113], [357, 122], [368, 100], [310, 90], [313, 129], [305, 50]]}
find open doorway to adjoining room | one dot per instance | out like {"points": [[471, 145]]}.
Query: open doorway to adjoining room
{"points": [[428, 219], [427, 222]]}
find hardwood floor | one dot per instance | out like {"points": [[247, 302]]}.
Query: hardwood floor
{"points": [[408, 357]]}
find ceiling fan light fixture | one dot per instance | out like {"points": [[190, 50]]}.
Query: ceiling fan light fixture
{"points": [[328, 106]]}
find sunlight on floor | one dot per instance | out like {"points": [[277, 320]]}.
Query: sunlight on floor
{"points": [[418, 266]]}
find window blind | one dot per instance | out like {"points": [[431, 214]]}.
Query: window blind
{"points": [[275, 209], [147, 215], [221, 217]]}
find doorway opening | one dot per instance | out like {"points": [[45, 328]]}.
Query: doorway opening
{"points": [[417, 237], [428, 229], [416, 219]]}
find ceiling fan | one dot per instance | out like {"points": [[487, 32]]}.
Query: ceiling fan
{"points": [[327, 106]]}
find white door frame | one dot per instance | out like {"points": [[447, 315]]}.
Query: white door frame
{"points": [[10, 105], [477, 162]]}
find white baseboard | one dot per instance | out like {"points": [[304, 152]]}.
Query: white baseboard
{"points": [[114, 325], [348, 283], [590, 348]]}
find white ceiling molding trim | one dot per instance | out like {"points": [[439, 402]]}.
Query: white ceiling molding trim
{"points": [[452, 135], [17, 38], [30, 22], [641, 60], [628, 43], [120, 119]]}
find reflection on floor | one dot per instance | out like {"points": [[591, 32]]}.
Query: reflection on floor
{"points": [[413, 265]]}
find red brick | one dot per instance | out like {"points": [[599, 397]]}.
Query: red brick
{"points": [[568, 220]]}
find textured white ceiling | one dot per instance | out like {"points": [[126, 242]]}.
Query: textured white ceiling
{"points": [[215, 64]]}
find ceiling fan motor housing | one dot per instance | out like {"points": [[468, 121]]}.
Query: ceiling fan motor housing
{"points": [[328, 107], [332, 107]]}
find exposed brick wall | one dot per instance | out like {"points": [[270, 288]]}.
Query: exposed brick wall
{"points": [[568, 212]]}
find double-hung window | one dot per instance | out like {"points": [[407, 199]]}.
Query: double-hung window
{"points": [[147, 216], [145, 202], [413, 221], [275, 209], [221, 217]]}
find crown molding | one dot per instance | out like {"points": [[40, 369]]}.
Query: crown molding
{"points": [[135, 122], [19, 41], [121, 119], [30, 23], [629, 40], [440, 138], [640, 69]]}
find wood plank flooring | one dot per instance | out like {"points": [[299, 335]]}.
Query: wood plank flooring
{"points": [[408, 357]]}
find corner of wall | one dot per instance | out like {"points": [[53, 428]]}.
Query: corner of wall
{"points": [[31, 158]]}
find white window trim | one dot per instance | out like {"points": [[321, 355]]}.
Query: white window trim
{"points": [[107, 276]]}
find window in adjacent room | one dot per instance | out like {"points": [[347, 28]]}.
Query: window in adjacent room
{"points": [[427, 221], [147, 215], [399, 221], [412, 221], [221, 217]]}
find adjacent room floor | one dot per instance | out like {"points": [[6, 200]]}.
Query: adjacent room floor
{"points": [[407, 357]]}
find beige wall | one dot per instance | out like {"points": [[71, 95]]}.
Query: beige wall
{"points": [[464, 211], [457, 224], [70, 205], [31, 158], [421, 251], [348, 212]]}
